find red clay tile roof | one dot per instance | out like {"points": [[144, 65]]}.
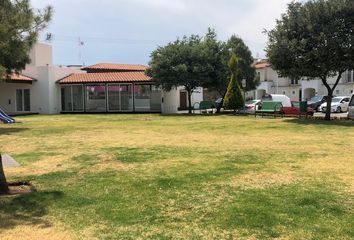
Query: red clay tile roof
{"points": [[107, 77], [18, 77], [116, 67], [262, 65]]}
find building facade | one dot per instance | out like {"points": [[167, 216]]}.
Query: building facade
{"points": [[304, 89], [35, 90], [118, 88]]}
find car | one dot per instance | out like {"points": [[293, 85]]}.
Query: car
{"points": [[294, 110], [316, 102], [339, 104], [285, 100], [351, 108], [252, 105]]}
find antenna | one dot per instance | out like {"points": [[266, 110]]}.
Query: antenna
{"points": [[80, 45], [49, 37]]}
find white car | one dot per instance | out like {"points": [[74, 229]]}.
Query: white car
{"points": [[339, 104], [252, 105]]}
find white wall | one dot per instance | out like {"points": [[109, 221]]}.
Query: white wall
{"points": [[8, 95], [171, 99]]}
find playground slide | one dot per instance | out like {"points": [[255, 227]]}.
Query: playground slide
{"points": [[6, 118]]}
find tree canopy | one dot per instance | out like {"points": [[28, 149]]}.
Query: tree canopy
{"points": [[180, 63], [201, 62], [19, 28], [313, 40], [20, 25], [245, 61]]}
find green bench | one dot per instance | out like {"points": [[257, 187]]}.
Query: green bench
{"points": [[204, 106], [270, 107]]}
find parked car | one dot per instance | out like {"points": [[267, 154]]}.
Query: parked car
{"points": [[316, 102], [285, 100], [339, 104], [252, 105], [295, 110], [351, 108]]}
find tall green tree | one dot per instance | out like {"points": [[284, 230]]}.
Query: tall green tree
{"points": [[233, 97], [314, 40], [180, 63], [20, 25], [218, 54], [246, 69]]}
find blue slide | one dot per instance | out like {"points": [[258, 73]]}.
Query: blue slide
{"points": [[5, 118]]}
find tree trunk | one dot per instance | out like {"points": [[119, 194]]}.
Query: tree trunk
{"points": [[189, 101], [329, 107], [330, 93], [4, 188]]}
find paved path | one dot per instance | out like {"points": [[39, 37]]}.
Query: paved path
{"points": [[8, 161]]}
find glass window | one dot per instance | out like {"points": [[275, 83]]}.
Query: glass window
{"points": [[96, 98], [147, 98], [26, 100], [113, 98], [66, 105], [142, 95], [78, 98], [19, 97], [126, 97]]}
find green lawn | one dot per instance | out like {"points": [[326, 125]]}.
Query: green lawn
{"points": [[179, 177]]}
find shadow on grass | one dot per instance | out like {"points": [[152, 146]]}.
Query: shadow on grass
{"points": [[28, 209], [9, 131], [302, 121]]}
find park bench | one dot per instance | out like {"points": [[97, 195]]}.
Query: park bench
{"points": [[270, 107], [204, 106]]}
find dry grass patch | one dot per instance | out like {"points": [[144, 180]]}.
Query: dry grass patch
{"points": [[262, 180]]}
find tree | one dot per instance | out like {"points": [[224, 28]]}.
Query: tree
{"points": [[218, 54], [246, 69], [180, 63], [313, 40], [233, 97], [19, 28]]}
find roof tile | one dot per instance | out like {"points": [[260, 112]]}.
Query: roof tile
{"points": [[106, 77]]}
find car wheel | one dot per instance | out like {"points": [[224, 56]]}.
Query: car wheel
{"points": [[339, 109]]}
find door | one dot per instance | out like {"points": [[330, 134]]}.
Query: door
{"points": [[183, 100], [23, 100]]}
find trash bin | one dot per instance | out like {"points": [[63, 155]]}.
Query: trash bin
{"points": [[303, 107]]}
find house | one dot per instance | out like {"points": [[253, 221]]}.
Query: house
{"points": [[107, 87], [34, 90], [304, 89]]}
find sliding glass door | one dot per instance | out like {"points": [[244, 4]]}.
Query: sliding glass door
{"points": [[23, 100], [96, 98], [120, 97]]}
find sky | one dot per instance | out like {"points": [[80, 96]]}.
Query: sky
{"points": [[127, 31]]}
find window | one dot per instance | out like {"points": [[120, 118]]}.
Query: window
{"points": [[120, 97], [147, 97], [23, 100], [96, 98], [294, 81], [72, 98]]}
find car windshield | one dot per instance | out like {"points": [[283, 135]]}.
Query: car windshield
{"points": [[336, 99], [251, 102], [316, 99]]}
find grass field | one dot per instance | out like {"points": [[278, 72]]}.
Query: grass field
{"points": [[179, 177]]}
